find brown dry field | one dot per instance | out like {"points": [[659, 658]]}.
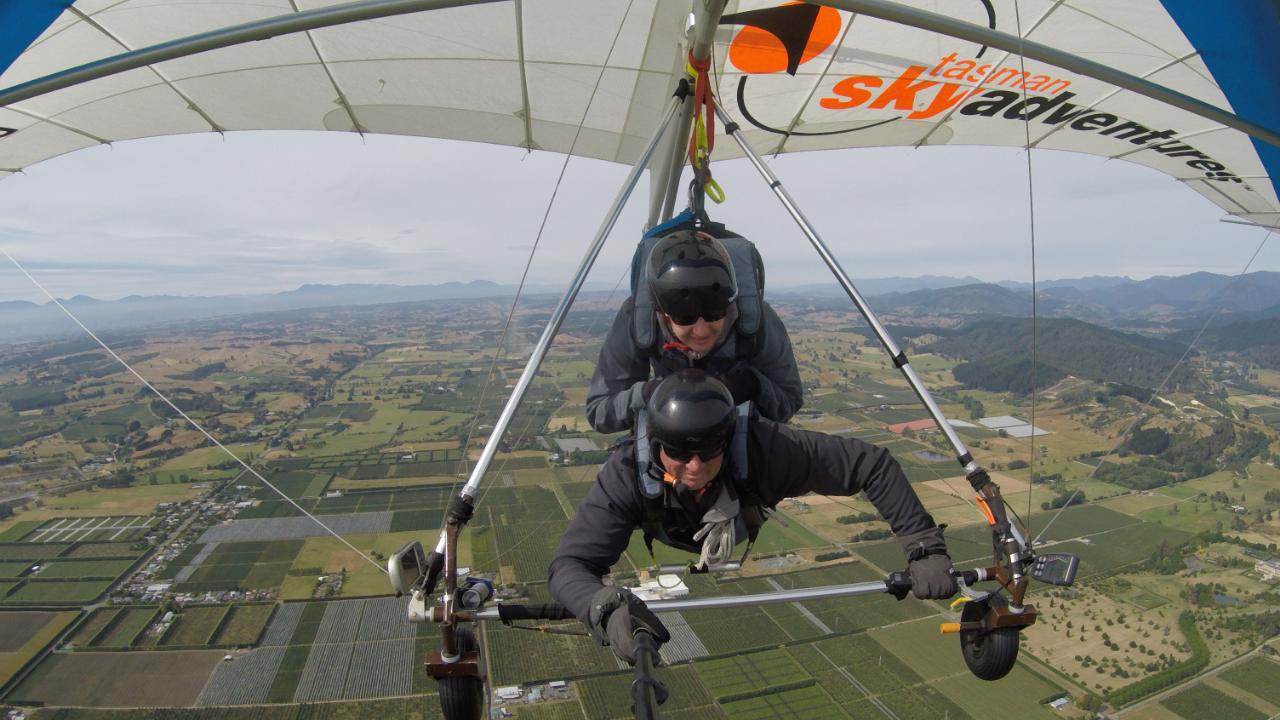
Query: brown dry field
{"points": [[121, 679], [1048, 641], [16, 628]]}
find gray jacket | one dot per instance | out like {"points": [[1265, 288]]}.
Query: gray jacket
{"points": [[782, 462], [622, 369]]}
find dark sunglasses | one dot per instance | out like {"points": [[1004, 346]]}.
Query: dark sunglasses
{"points": [[683, 456], [690, 316]]}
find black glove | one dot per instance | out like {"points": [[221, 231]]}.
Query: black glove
{"points": [[617, 615], [742, 382], [929, 565], [674, 359], [647, 388]]}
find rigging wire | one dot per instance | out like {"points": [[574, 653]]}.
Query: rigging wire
{"points": [[1143, 410], [184, 416], [542, 226], [1031, 210]]}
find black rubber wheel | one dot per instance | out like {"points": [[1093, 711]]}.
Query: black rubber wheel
{"points": [[990, 655], [463, 698]]}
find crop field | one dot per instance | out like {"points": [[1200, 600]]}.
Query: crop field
{"points": [[245, 680], [380, 669], [285, 684], [341, 622], [24, 634], [936, 660], [748, 673], [1259, 676], [283, 624], [29, 551], [422, 707], [87, 569], [879, 671], [609, 697], [56, 592], [194, 626], [1117, 540], [245, 565], [111, 679], [325, 673], [125, 627], [806, 702], [244, 625], [103, 550], [13, 568], [90, 529], [519, 656], [1201, 701], [292, 528], [92, 626]]}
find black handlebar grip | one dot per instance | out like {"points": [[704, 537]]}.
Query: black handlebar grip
{"points": [[898, 584]]}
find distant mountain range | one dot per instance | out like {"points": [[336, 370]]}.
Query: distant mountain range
{"points": [[1173, 302]]}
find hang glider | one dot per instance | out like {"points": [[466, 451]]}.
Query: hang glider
{"points": [[846, 73]]}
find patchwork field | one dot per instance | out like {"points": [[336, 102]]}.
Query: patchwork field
{"points": [[24, 634], [89, 679]]}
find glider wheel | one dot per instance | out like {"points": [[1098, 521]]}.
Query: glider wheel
{"points": [[990, 655], [462, 698]]}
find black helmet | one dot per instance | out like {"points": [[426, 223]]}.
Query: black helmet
{"points": [[691, 412], [691, 277]]}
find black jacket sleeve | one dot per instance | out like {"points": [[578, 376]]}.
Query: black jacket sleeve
{"points": [[621, 370], [598, 534], [788, 462], [781, 392]]}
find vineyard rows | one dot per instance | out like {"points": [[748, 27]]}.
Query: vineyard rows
{"points": [[386, 619], [341, 622], [685, 643], [244, 681], [380, 669], [325, 673], [283, 624]]}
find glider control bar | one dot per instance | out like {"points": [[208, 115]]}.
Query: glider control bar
{"points": [[935, 22]]}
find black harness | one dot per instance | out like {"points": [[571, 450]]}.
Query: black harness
{"points": [[752, 511]]}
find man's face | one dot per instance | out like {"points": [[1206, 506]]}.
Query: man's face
{"points": [[701, 336], [694, 473]]}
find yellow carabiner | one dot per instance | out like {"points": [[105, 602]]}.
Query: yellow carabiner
{"points": [[713, 191]]}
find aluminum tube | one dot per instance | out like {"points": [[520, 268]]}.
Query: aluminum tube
{"points": [[934, 22], [875, 587], [226, 37], [562, 310], [891, 347]]}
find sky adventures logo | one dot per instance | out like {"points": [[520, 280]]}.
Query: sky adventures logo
{"points": [[780, 39]]}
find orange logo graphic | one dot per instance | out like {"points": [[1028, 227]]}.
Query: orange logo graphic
{"points": [[780, 39]]}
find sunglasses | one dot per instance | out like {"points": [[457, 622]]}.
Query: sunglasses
{"points": [[691, 318], [682, 455]]}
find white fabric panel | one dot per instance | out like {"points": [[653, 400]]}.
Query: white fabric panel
{"points": [[457, 74]]}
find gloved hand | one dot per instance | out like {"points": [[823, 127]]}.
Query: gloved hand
{"points": [[741, 381], [646, 389], [674, 359], [929, 565], [615, 617]]}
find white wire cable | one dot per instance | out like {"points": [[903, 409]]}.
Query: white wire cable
{"points": [[184, 416]]}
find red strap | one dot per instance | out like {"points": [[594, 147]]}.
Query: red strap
{"points": [[702, 97], [676, 346]]}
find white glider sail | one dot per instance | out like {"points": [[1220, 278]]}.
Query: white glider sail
{"points": [[797, 77]]}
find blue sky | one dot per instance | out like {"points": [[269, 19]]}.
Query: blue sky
{"points": [[266, 212]]}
